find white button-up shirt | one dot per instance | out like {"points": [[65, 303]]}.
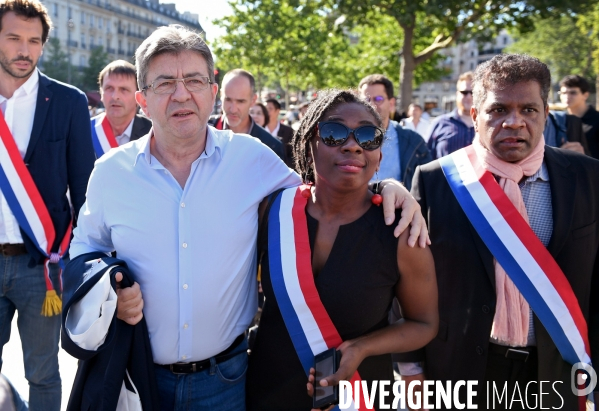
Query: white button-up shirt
{"points": [[191, 249], [19, 111]]}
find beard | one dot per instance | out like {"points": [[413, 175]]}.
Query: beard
{"points": [[5, 63]]}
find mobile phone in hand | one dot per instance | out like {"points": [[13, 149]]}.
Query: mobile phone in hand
{"points": [[325, 364]]}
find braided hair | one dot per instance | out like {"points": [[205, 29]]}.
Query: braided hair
{"points": [[317, 110]]}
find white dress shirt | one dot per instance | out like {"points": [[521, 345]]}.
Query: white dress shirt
{"points": [[126, 136], [275, 132], [191, 249], [19, 111], [423, 127]]}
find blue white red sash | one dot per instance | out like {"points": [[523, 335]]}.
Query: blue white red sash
{"points": [[290, 262], [30, 211], [102, 135], [519, 251]]}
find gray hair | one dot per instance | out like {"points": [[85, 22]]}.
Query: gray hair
{"points": [[170, 39], [505, 70]]}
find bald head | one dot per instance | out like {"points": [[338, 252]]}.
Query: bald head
{"points": [[238, 95]]}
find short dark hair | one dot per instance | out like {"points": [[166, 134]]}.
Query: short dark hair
{"points": [[506, 70], [318, 108], [30, 9], [264, 112], [274, 102], [378, 79], [119, 68], [574, 80], [243, 73]]}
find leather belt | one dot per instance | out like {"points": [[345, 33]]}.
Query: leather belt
{"points": [[512, 353], [191, 367], [12, 250]]}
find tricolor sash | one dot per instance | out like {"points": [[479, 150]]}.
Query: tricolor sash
{"points": [[290, 261], [520, 252], [30, 211], [102, 135]]}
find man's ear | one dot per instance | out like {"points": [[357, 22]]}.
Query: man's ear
{"points": [[254, 98], [140, 97], [474, 115]]}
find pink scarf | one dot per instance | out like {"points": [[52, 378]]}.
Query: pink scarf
{"points": [[512, 313]]}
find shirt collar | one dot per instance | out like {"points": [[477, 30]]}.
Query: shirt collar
{"points": [[226, 125], [26, 88], [541, 174], [213, 145], [128, 130]]}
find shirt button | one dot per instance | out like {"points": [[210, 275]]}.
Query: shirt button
{"points": [[182, 205], [185, 326], [486, 309], [184, 245], [185, 286], [479, 350]]}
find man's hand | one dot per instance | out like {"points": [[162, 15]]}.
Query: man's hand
{"points": [[129, 303], [574, 146], [395, 195], [408, 379]]}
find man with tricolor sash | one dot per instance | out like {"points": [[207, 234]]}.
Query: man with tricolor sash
{"points": [[45, 152], [514, 234], [120, 122]]}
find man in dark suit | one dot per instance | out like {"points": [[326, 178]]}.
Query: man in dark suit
{"points": [[482, 336], [280, 130], [118, 85], [48, 122], [238, 94]]}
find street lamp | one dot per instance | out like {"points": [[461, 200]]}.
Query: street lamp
{"points": [[70, 25]]}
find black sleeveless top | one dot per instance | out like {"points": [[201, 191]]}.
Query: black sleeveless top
{"points": [[356, 286]]}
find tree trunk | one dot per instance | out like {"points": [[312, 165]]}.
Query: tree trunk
{"points": [[597, 92], [406, 75]]}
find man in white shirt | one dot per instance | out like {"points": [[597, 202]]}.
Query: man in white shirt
{"points": [[416, 121], [117, 91], [192, 246], [46, 151]]}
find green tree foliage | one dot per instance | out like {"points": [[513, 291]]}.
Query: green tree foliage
{"points": [[98, 59], [571, 54], [443, 22], [56, 63], [589, 26], [301, 43]]}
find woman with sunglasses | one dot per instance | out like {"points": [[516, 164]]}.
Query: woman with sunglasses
{"points": [[331, 267]]}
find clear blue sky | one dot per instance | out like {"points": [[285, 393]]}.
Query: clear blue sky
{"points": [[208, 10]]}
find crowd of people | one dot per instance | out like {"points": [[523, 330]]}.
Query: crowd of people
{"points": [[138, 239]]}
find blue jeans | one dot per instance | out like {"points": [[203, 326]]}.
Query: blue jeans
{"points": [[221, 387], [24, 289]]}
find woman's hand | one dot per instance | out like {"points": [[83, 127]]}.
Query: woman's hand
{"points": [[352, 355]]}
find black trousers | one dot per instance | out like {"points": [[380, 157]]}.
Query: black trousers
{"points": [[510, 383]]}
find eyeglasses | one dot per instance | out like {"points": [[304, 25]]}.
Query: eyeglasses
{"points": [[465, 92], [376, 99], [168, 86], [570, 92], [334, 134]]}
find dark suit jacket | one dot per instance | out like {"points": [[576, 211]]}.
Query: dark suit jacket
{"points": [[60, 155], [141, 127], [286, 135], [100, 373], [263, 135], [466, 276], [413, 152]]}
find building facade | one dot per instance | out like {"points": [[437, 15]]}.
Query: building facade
{"points": [[439, 96], [119, 26]]}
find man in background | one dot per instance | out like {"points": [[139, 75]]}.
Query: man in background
{"points": [[454, 130], [238, 94], [280, 130], [120, 123]]}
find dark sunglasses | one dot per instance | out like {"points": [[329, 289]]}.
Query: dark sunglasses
{"points": [[335, 134], [465, 92]]}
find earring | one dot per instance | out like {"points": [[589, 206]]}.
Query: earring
{"points": [[377, 199]]}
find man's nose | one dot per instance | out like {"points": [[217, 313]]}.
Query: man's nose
{"points": [[513, 119], [181, 93]]}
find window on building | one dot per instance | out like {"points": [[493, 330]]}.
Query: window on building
{"points": [[91, 41], [100, 20], [55, 9], [505, 40], [91, 20], [82, 61], [70, 12], [82, 18], [471, 66], [107, 43], [83, 40]]}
